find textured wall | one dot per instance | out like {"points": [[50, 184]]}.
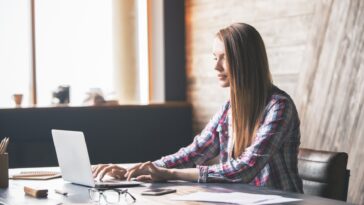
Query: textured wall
{"points": [[315, 51], [330, 95]]}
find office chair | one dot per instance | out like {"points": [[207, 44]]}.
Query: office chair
{"points": [[324, 173]]}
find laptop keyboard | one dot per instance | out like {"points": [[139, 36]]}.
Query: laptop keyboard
{"points": [[116, 183]]}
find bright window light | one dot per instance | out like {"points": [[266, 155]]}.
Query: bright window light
{"points": [[74, 47], [15, 51], [143, 51]]}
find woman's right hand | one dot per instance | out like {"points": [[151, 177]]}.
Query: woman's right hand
{"points": [[99, 171]]}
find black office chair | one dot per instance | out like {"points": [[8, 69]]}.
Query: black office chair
{"points": [[324, 173]]}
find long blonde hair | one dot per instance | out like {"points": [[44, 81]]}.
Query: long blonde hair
{"points": [[250, 81]]}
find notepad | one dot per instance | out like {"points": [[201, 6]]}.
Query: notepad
{"points": [[36, 175]]}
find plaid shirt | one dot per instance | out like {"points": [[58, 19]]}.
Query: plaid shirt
{"points": [[271, 159]]}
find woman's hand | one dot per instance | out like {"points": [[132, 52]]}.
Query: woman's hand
{"points": [[148, 172], [100, 170]]}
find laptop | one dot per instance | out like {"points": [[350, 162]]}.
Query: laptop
{"points": [[74, 161]]}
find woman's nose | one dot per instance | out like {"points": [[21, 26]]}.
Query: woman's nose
{"points": [[218, 66]]}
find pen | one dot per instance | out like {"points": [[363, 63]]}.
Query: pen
{"points": [[3, 145], [60, 192]]}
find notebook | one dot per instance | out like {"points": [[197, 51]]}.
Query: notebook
{"points": [[36, 175]]}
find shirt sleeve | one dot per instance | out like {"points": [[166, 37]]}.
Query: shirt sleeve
{"points": [[269, 138], [204, 147]]}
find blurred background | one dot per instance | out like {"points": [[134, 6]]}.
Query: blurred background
{"points": [[142, 52]]}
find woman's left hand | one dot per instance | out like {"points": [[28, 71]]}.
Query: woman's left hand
{"points": [[148, 172]]}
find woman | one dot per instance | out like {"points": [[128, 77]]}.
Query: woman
{"points": [[253, 139]]}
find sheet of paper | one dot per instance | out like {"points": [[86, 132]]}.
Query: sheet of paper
{"points": [[278, 200], [76, 204], [234, 198]]}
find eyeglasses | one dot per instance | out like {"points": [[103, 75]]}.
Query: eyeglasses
{"points": [[110, 196]]}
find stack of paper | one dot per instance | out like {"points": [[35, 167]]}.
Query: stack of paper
{"points": [[234, 198]]}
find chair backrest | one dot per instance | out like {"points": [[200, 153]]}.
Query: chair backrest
{"points": [[324, 173]]}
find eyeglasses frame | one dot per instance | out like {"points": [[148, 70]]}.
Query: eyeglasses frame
{"points": [[102, 190]]}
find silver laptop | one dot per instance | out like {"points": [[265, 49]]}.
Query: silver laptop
{"points": [[74, 161]]}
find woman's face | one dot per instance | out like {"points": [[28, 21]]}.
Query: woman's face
{"points": [[220, 63]]}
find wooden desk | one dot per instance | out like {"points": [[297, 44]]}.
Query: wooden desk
{"points": [[14, 195]]}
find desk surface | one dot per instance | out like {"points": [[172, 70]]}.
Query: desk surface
{"points": [[79, 194]]}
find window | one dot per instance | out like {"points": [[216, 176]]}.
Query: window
{"points": [[15, 50], [74, 44], [74, 47]]}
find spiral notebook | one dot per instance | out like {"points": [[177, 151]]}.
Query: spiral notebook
{"points": [[36, 175]]}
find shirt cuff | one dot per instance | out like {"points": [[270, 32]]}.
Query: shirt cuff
{"points": [[203, 172], [159, 163]]}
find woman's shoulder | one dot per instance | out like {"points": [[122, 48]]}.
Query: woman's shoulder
{"points": [[281, 105], [279, 97]]}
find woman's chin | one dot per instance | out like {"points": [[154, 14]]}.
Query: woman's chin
{"points": [[224, 84]]}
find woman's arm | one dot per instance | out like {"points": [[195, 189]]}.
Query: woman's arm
{"points": [[187, 174], [149, 172], [269, 138], [205, 146]]}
